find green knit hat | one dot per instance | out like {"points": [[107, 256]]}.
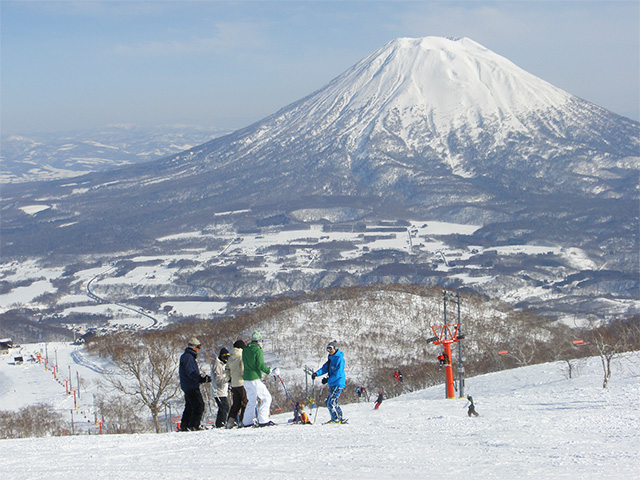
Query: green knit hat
{"points": [[256, 336]]}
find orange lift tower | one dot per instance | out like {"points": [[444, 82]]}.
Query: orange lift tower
{"points": [[447, 334]]}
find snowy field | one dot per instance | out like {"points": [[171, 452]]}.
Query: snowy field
{"points": [[534, 423], [31, 382], [111, 290], [27, 281]]}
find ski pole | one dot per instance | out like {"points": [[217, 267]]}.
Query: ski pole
{"points": [[310, 372], [317, 408], [313, 389], [286, 393]]}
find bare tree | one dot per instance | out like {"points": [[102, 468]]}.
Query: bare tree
{"points": [[148, 366], [120, 414], [611, 340], [39, 420], [606, 348]]}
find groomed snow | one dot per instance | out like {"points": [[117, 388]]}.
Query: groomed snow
{"points": [[33, 209], [534, 423]]}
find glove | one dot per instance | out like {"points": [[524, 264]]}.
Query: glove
{"points": [[325, 380], [314, 375], [205, 379], [275, 372]]}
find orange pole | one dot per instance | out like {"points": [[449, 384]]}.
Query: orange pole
{"points": [[448, 370]]}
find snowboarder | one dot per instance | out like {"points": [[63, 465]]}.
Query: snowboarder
{"points": [[254, 367], [398, 376], [190, 380], [220, 386], [472, 407], [238, 393], [378, 400], [334, 366]]}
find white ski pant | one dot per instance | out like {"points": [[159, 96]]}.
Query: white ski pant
{"points": [[256, 390]]}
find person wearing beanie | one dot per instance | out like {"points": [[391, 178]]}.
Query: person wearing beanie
{"points": [[379, 400], [254, 367], [337, 380], [238, 393], [190, 380], [220, 386]]}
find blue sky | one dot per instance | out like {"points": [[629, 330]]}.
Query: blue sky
{"points": [[73, 65]]}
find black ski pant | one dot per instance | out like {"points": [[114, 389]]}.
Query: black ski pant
{"points": [[223, 411], [193, 410], [239, 397]]}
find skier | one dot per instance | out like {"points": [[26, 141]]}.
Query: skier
{"points": [[364, 393], [220, 386], [190, 380], [254, 367], [238, 393], [334, 366], [378, 400], [398, 376], [472, 407]]}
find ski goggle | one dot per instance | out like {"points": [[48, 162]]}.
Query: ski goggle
{"points": [[330, 349]]}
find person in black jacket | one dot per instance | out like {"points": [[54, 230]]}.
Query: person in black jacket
{"points": [[472, 407], [379, 400], [190, 380]]}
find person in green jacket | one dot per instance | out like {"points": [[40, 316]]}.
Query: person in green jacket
{"points": [[254, 368]]}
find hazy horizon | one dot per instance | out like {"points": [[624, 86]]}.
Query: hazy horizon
{"points": [[81, 65]]}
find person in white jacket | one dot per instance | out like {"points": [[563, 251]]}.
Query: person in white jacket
{"points": [[238, 393], [220, 386]]}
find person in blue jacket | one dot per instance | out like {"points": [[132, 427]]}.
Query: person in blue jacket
{"points": [[334, 366], [190, 380]]}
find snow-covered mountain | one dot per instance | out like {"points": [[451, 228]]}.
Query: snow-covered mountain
{"points": [[429, 99], [434, 107], [51, 156], [428, 129]]}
